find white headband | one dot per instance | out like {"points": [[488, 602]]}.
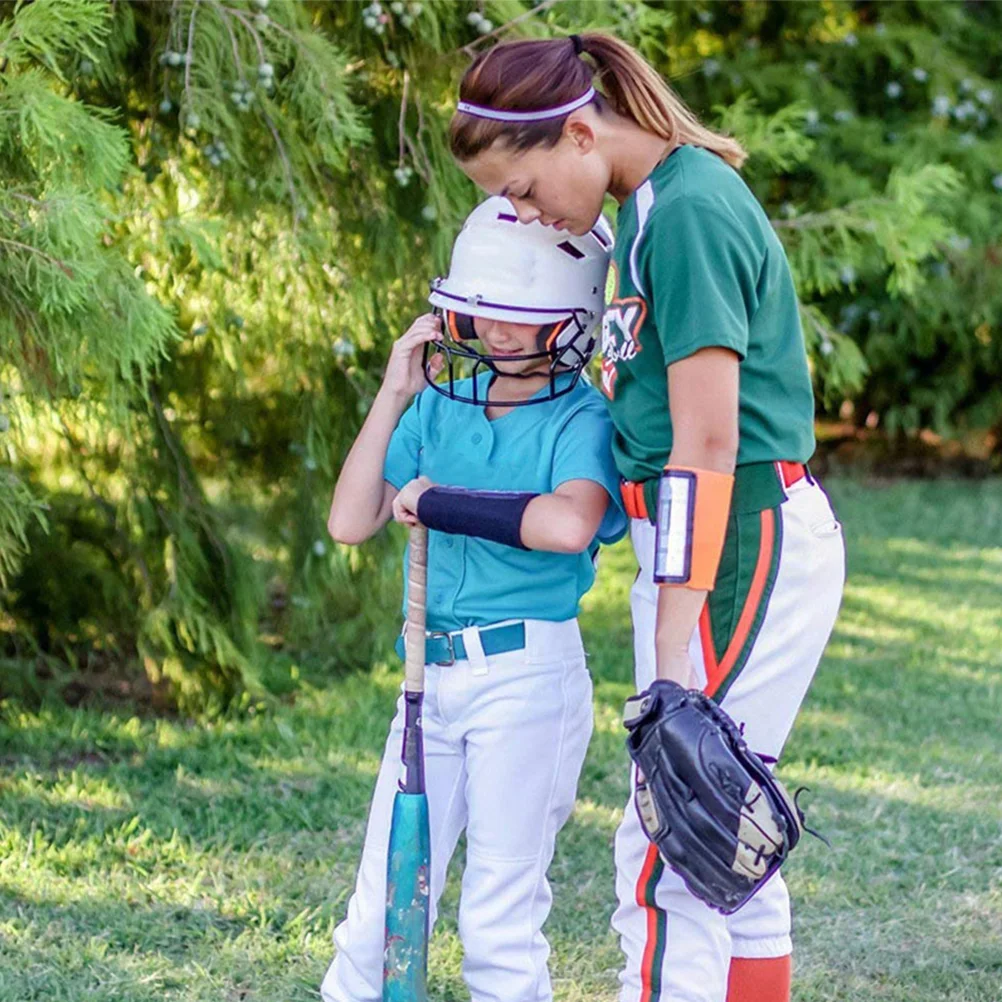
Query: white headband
{"points": [[500, 115]]}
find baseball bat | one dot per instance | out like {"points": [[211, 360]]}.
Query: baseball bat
{"points": [[408, 864]]}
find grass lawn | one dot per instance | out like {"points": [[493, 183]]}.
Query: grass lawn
{"points": [[146, 859]]}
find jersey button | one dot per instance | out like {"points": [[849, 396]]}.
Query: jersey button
{"points": [[448, 542], [477, 438]]}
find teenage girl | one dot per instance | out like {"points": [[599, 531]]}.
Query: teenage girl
{"points": [[511, 470], [708, 386]]}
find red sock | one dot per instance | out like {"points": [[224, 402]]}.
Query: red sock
{"points": [[753, 979]]}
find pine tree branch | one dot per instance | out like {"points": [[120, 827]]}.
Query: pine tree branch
{"points": [[250, 27], [419, 154], [471, 46], [289, 179], [190, 490], [172, 29], [286, 164], [404, 141], [272, 23], [401, 137], [824, 331], [65, 268], [107, 507], [420, 138], [188, 52], [225, 18], [830, 217]]}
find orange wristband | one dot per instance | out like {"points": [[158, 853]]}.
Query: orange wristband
{"points": [[693, 508]]}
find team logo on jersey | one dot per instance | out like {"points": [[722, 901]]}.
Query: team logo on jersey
{"points": [[621, 323]]}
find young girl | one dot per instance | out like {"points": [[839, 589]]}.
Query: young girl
{"points": [[511, 470], [705, 370]]}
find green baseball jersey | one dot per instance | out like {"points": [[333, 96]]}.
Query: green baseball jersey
{"points": [[698, 265]]}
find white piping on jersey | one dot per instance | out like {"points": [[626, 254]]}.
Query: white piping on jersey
{"points": [[645, 201]]}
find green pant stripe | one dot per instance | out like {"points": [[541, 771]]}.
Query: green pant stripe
{"points": [[763, 605], [661, 929]]}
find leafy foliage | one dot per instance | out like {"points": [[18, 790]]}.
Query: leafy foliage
{"points": [[893, 219], [218, 214]]}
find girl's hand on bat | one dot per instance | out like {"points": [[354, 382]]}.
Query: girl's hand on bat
{"points": [[406, 502]]}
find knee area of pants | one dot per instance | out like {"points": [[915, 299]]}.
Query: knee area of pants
{"points": [[488, 943], [475, 933]]}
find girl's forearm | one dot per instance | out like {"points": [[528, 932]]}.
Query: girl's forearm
{"points": [[677, 617], [679, 609], [360, 491]]}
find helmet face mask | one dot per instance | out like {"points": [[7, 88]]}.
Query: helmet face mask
{"points": [[525, 274], [465, 359]]}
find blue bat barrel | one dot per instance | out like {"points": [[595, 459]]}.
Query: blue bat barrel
{"points": [[405, 957]]}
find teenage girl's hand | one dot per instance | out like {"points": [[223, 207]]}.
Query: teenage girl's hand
{"points": [[406, 502], [403, 377]]}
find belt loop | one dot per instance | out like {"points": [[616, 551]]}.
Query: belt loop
{"points": [[475, 650], [634, 502]]}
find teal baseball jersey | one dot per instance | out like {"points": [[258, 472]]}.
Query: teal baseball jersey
{"points": [[475, 582]]}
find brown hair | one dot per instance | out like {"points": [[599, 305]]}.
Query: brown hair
{"points": [[543, 73]]}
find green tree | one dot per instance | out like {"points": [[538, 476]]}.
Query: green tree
{"points": [[893, 220], [217, 215]]}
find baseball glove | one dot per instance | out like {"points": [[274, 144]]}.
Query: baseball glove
{"points": [[719, 817]]}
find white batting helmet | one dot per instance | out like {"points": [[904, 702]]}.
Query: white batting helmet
{"points": [[526, 273]]}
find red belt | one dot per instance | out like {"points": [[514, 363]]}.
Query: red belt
{"points": [[636, 507]]}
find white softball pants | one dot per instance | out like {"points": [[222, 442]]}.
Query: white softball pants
{"points": [[677, 949], [504, 739]]}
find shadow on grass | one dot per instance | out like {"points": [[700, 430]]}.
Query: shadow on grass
{"points": [[127, 926]]}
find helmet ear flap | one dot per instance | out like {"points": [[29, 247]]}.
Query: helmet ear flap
{"points": [[460, 326]]}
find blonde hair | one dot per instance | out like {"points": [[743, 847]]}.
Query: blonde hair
{"points": [[533, 74]]}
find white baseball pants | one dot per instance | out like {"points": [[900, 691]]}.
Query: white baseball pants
{"points": [[504, 739], [759, 666]]}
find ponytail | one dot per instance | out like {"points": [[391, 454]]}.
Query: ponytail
{"points": [[635, 90], [535, 74]]}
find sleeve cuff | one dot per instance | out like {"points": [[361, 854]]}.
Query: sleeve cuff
{"points": [[732, 344], [614, 522]]}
